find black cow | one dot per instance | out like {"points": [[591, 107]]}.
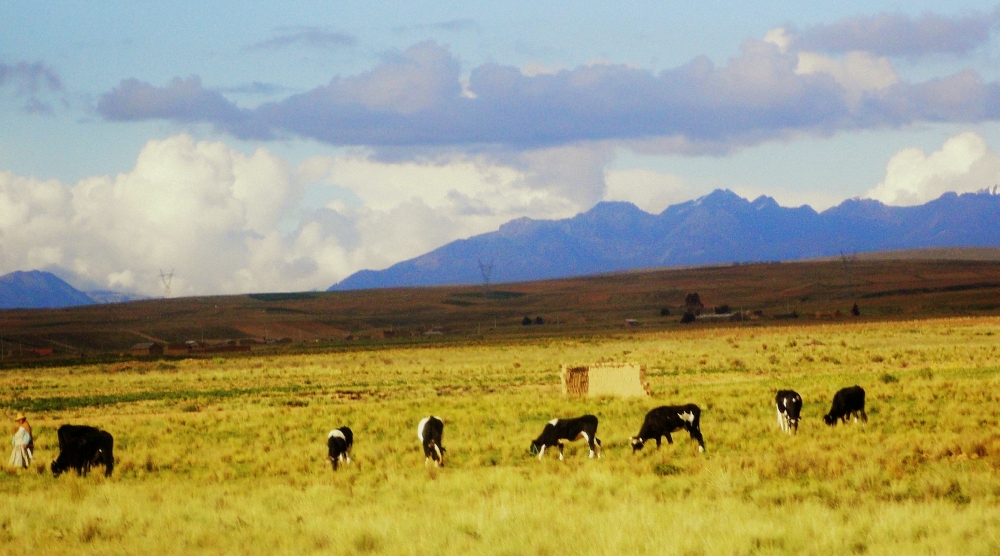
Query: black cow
{"points": [[557, 430], [667, 419], [789, 406], [847, 402], [429, 432], [82, 447], [339, 443]]}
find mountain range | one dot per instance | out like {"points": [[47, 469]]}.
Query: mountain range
{"points": [[721, 227]]}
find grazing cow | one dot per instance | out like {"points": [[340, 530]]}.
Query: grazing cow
{"points": [[847, 402], [339, 443], [81, 447], [666, 419], [429, 432], [789, 406], [557, 430]]}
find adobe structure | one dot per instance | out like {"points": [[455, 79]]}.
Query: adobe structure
{"points": [[605, 379]]}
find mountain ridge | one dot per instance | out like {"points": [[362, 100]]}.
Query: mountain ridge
{"points": [[37, 289], [717, 228]]}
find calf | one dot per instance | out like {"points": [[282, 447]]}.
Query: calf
{"points": [[339, 443], [667, 419], [789, 406], [557, 430], [429, 432], [82, 447], [847, 402]]}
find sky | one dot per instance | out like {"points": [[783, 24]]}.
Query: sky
{"points": [[281, 146]]}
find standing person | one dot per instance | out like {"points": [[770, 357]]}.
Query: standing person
{"points": [[23, 444]]}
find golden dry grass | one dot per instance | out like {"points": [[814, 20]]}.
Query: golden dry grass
{"points": [[227, 456]]}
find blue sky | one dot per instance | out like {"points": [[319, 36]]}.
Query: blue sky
{"points": [[281, 146]]}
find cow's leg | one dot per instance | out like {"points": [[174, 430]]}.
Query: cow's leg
{"points": [[696, 435], [659, 440], [541, 452], [560, 450], [670, 439], [590, 442], [781, 420], [440, 457]]}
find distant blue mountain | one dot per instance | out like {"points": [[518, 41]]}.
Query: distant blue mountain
{"points": [[718, 228], [38, 290]]}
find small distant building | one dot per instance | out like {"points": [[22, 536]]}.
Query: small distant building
{"points": [[41, 352], [147, 348], [605, 379]]}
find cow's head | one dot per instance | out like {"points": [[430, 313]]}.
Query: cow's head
{"points": [[637, 444], [57, 468], [536, 446], [829, 419]]}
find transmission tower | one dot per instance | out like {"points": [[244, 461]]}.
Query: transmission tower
{"points": [[486, 269], [166, 277]]}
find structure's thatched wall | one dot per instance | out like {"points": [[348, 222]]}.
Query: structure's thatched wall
{"points": [[605, 379]]}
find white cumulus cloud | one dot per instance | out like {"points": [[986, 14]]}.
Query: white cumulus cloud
{"points": [[965, 163], [227, 222]]}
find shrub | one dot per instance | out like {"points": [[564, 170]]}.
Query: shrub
{"points": [[665, 469], [688, 317], [888, 378]]}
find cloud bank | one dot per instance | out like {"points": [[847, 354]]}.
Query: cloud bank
{"points": [[788, 83], [229, 222], [887, 34]]}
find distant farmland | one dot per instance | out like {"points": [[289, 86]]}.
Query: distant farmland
{"points": [[818, 291]]}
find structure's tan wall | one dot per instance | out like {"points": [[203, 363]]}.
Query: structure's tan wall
{"points": [[627, 379]]}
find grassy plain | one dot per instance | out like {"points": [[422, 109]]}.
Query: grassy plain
{"points": [[226, 456]]}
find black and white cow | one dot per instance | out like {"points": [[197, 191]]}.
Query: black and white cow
{"points": [[429, 432], [847, 402], [339, 443], [82, 447], [666, 419], [789, 406], [557, 430]]}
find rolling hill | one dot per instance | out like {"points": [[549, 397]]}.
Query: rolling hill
{"points": [[910, 286]]}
